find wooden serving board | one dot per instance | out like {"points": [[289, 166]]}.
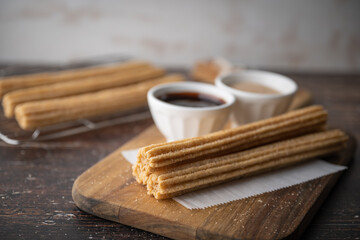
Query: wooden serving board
{"points": [[108, 190]]}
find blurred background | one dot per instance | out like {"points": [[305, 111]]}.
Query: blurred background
{"points": [[319, 36]]}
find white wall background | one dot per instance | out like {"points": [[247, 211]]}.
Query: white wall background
{"points": [[284, 34]]}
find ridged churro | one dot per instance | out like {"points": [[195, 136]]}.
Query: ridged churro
{"points": [[63, 89], [291, 124], [11, 83], [190, 176], [37, 114]]}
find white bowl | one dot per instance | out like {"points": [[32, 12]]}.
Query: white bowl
{"points": [[179, 122], [250, 107]]}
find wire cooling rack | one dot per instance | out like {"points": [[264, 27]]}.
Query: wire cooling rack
{"points": [[11, 133]]}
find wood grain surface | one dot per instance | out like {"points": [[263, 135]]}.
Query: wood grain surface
{"points": [[36, 178], [108, 190]]}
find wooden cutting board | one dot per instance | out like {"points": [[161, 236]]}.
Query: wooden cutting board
{"points": [[109, 191]]}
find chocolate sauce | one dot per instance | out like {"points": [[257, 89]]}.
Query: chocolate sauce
{"points": [[191, 99]]}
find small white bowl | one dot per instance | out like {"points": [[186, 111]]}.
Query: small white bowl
{"points": [[250, 107], [178, 122]]}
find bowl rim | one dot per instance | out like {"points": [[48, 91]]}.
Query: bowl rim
{"points": [[219, 81]]}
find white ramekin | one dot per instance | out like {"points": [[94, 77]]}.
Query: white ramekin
{"points": [[250, 107], [178, 122]]}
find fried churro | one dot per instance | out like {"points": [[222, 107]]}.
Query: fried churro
{"points": [[207, 71], [11, 83], [173, 181], [291, 124], [69, 88], [37, 114]]}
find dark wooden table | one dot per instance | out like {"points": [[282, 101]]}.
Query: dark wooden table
{"points": [[36, 179]]}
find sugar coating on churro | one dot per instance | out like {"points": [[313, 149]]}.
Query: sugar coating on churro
{"points": [[190, 176], [295, 123], [37, 114], [11, 83]]}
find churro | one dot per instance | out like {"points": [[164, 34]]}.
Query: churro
{"points": [[207, 71], [37, 114], [291, 124], [11, 83], [190, 176], [63, 89]]}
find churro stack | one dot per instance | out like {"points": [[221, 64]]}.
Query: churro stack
{"points": [[38, 100], [42, 113], [171, 169], [78, 86]]}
